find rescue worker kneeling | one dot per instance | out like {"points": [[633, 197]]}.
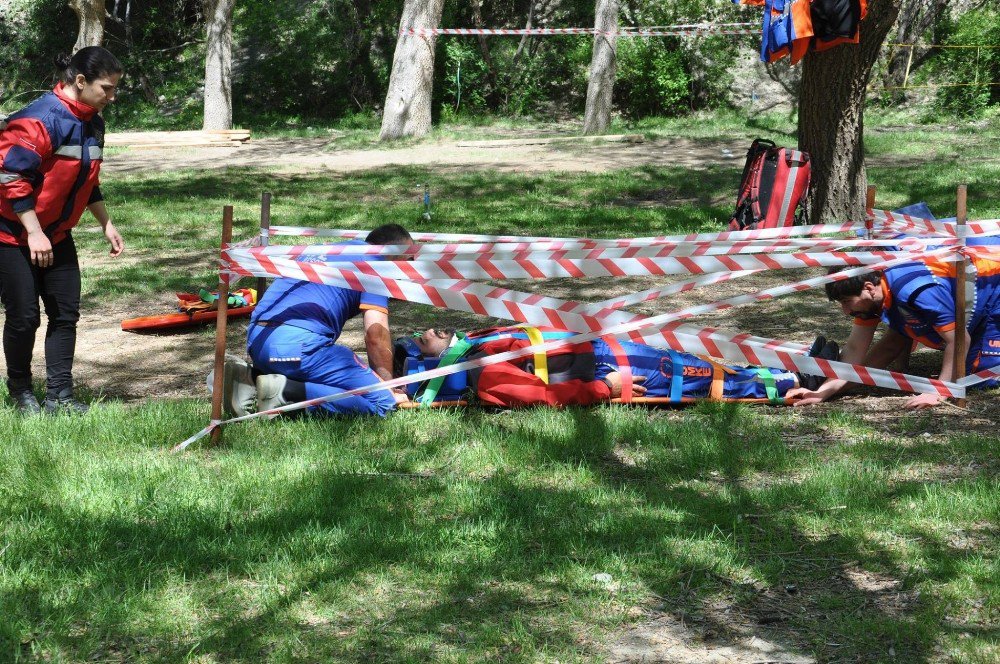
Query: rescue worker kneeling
{"points": [[584, 373]]}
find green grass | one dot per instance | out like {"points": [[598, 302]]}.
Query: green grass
{"points": [[474, 536], [470, 536]]}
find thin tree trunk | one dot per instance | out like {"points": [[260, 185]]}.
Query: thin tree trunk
{"points": [[915, 18], [831, 117], [492, 89], [218, 64], [524, 38], [603, 64], [90, 14], [408, 101]]}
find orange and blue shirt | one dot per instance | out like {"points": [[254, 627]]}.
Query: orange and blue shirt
{"points": [[918, 300]]}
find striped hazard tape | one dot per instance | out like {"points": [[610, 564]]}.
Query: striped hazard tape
{"points": [[543, 268], [666, 31], [461, 300], [470, 299]]}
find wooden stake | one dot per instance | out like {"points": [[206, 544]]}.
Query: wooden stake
{"points": [[869, 205], [220, 327], [265, 227], [909, 62], [958, 360]]}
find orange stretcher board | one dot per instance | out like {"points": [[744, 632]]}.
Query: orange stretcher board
{"points": [[177, 320]]}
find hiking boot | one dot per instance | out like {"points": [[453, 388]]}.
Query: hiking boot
{"points": [[64, 403], [25, 401], [238, 389], [824, 350], [270, 392]]}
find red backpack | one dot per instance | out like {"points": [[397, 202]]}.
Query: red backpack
{"points": [[774, 187]]}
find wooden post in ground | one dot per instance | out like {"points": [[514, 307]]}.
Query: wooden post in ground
{"points": [[220, 327], [869, 205], [958, 360], [265, 235]]}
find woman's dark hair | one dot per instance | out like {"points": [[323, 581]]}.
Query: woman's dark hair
{"points": [[93, 62]]}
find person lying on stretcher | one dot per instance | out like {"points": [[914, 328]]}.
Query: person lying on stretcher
{"points": [[584, 373]]}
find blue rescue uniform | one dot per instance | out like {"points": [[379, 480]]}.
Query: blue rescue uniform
{"points": [[919, 303], [293, 332], [676, 375]]}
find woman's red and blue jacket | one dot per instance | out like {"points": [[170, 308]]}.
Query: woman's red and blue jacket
{"points": [[50, 161]]}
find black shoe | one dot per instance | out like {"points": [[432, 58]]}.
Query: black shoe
{"points": [[25, 402], [824, 350], [65, 404]]}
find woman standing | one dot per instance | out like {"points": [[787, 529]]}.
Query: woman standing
{"points": [[50, 158]]}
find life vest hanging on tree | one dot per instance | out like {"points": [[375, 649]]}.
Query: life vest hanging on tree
{"points": [[795, 27]]}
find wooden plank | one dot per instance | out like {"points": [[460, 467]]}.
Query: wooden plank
{"points": [[510, 142]]}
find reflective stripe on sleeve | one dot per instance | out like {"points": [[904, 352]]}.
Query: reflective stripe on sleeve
{"points": [[76, 152]]}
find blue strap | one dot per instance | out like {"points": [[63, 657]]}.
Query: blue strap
{"points": [[548, 336], [676, 376]]}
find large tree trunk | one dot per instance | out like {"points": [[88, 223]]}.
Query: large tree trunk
{"points": [[603, 63], [218, 64], [831, 117], [90, 14], [408, 102]]}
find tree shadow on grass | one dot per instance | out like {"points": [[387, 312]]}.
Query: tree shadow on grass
{"points": [[703, 511]]}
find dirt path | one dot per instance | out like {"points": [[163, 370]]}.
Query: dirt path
{"points": [[322, 155]]}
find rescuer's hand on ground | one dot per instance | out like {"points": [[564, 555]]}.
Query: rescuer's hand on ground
{"points": [[804, 397], [922, 401]]}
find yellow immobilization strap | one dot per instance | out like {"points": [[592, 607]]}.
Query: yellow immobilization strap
{"points": [[541, 361]]}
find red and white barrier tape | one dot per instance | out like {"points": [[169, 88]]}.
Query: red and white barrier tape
{"points": [[979, 377], [668, 31], [791, 362], [701, 340], [555, 251], [925, 225], [471, 301], [487, 268], [987, 252]]}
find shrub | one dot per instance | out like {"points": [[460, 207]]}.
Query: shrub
{"points": [[969, 76], [652, 78]]}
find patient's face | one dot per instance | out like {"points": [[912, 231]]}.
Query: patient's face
{"points": [[433, 343]]}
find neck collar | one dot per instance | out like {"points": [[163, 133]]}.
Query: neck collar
{"points": [[886, 294], [76, 107]]}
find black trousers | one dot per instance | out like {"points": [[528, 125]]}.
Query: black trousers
{"points": [[22, 285]]}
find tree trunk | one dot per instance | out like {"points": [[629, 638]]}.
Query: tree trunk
{"points": [[408, 101], [915, 18], [218, 64], [831, 117], [492, 89], [90, 14], [597, 116]]}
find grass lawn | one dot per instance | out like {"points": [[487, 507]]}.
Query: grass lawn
{"points": [[473, 536]]}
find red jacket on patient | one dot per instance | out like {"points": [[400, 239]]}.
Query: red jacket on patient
{"points": [[571, 372]]}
